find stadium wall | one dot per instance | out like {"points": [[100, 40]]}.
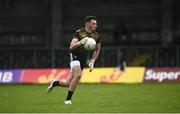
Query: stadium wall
{"points": [[99, 75]]}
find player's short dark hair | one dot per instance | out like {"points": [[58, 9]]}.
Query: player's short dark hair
{"points": [[89, 18]]}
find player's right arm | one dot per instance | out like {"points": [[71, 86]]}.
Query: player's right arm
{"points": [[76, 43], [73, 44]]}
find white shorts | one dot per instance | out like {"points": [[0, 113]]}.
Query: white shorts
{"points": [[74, 63]]}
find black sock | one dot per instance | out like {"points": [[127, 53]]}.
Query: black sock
{"points": [[56, 83], [70, 93]]}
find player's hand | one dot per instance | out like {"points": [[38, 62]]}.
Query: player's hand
{"points": [[82, 42], [91, 65]]}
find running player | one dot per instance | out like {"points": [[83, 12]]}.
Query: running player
{"points": [[78, 56]]}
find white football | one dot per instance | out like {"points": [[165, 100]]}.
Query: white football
{"points": [[90, 44]]}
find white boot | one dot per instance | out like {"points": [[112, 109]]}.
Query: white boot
{"points": [[50, 88], [67, 102]]}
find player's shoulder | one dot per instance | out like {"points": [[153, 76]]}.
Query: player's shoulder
{"points": [[79, 30], [97, 33]]}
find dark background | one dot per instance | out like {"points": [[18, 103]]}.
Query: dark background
{"points": [[37, 33]]}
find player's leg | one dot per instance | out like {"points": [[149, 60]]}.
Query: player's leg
{"points": [[76, 70], [65, 83], [62, 83], [75, 80]]}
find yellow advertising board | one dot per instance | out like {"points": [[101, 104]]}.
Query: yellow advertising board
{"points": [[113, 75]]}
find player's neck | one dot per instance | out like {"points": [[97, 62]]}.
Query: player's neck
{"points": [[87, 30]]}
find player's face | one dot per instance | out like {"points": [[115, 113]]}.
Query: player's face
{"points": [[92, 25]]}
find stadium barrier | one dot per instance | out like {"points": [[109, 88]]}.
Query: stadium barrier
{"points": [[33, 57], [99, 75]]}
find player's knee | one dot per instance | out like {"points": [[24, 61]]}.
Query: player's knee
{"points": [[77, 75], [67, 84], [64, 83]]}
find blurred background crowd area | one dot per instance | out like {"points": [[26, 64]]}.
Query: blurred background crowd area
{"points": [[37, 33]]}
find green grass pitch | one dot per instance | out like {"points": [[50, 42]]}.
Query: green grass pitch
{"points": [[89, 98]]}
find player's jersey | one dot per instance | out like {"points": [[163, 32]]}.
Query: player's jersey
{"points": [[80, 53]]}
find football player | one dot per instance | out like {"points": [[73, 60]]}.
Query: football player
{"points": [[78, 56]]}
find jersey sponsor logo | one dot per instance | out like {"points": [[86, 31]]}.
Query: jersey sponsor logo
{"points": [[83, 35]]}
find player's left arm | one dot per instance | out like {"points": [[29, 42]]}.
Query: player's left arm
{"points": [[97, 51], [94, 56]]}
